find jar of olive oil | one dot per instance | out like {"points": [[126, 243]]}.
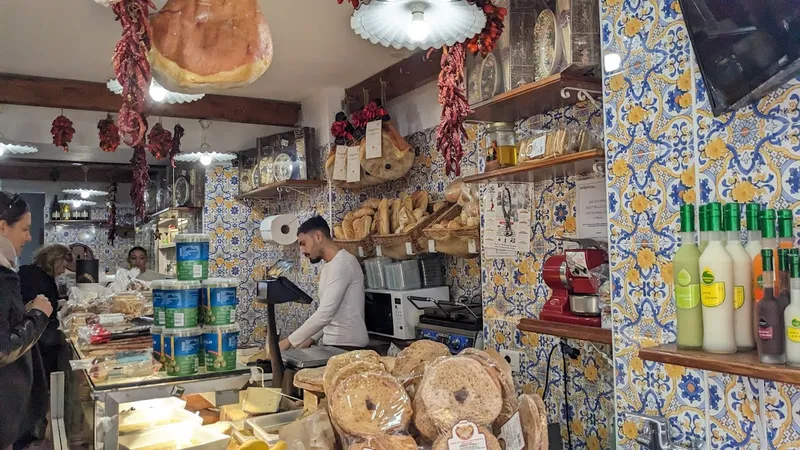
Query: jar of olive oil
{"points": [[501, 143]]}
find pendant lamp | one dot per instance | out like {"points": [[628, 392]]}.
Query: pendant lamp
{"points": [[83, 192], [204, 153], [14, 148], [157, 93], [417, 24]]}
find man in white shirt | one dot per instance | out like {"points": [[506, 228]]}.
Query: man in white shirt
{"points": [[339, 319], [137, 257]]}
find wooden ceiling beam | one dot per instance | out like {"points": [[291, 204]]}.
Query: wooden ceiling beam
{"points": [[53, 170], [91, 96], [400, 78]]}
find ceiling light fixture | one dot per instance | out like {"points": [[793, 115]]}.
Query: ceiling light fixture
{"points": [[82, 192], [157, 93], [77, 203], [9, 146], [204, 154], [417, 24]]}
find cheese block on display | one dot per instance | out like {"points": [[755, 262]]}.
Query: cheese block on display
{"points": [[200, 46]]}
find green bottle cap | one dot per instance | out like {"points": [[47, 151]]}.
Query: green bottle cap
{"points": [[783, 259], [703, 218], [687, 218], [768, 223], [766, 259], [794, 263], [751, 211], [714, 219], [733, 221], [785, 223]]}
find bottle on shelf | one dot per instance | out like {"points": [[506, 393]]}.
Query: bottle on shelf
{"points": [[742, 276], [768, 240], [55, 209], [785, 239], [771, 343], [791, 315], [703, 219], [686, 282], [753, 247], [66, 211], [716, 287]]}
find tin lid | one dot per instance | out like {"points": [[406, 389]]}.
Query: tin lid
{"points": [[231, 328], [156, 330], [182, 238], [794, 263], [182, 332], [177, 285], [783, 258], [221, 283]]}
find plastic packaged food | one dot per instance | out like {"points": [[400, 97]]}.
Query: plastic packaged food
{"points": [[192, 256], [369, 404], [138, 418], [181, 300], [335, 363], [184, 436], [500, 370], [311, 432], [219, 345], [120, 364], [182, 350], [418, 352], [218, 301]]}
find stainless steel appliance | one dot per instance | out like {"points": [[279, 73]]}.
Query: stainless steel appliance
{"points": [[396, 313], [456, 325]]}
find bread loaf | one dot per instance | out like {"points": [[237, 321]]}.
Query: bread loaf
{"points": [[370, 404], [383, 214], [309, 379], [354, 368], [501, 372], [335, 363], [417, 353], [386, 442]]}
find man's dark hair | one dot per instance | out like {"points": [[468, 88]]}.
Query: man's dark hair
{"points": [[141, 249], [316, 223]]}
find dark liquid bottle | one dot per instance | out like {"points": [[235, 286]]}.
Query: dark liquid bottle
{"points": [[771, 344], [783, 284], [55, 209]]}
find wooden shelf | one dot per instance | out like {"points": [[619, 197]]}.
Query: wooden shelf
{"points": [[166, 246], [745, 364], [271, 190], [178, 209], [537, 170], [534, 98], [565, 330], [79, 222]]}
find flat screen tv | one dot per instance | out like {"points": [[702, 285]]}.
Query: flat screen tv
{"points": [[745, 48]]}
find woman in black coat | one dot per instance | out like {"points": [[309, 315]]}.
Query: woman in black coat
{"points": [[23, 390]]}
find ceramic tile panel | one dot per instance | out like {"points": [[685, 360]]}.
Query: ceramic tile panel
{"points": [[781, 415], [734, 411]]}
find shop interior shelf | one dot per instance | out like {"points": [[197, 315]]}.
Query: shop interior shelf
{"points": [[744, 363], [273, 189], [565, 330], [537, 170], [547, 94], [79, 222]]}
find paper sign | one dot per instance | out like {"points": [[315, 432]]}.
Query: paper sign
{"points": [[523, 231], [511, 434], [466, 436], [340, 163], [361, 252], [472, 247], [374, 139], [378, 250], [409, 249], [592, 217], [536, 147], [431, 246], [353, 165]]}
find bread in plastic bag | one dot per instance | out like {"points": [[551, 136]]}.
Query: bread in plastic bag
{"points": [[309, 379], [354, 368], [386, 442], [533, 419], [423, 425], [459, 388], [500, 370], [412, 381], [453, 190], [311, 432], [369, 404], [466, 431], [417, 353], [388, 362], [337, 362]]}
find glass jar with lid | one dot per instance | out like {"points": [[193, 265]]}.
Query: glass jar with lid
{"points": [[501, 144]]}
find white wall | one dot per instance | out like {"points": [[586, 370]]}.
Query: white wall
{"points": [[416, 110], [50, 188], [319, 111]]}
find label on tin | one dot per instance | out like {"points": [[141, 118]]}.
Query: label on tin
{"points": [[219, 305], [182, 354], [180, 308], [192, 259], [220, 349]]}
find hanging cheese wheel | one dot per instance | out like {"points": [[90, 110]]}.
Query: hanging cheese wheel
{"points": [[201, 46]]}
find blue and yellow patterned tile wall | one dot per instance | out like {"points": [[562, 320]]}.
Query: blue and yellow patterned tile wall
{"points": [[664, 148]]}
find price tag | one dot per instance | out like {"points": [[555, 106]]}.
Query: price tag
{"points": [[340, 163], [284, 143], [378, 250], [374, 139], [536, 147], [361, 252], [409, 249], [472, 246], [431, 246], [511, 433], [353, 165]]}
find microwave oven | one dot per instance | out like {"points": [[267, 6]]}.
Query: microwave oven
{"points": [[395, 314]]}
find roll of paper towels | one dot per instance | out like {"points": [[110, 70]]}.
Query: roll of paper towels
{"points": [[280, 229]]}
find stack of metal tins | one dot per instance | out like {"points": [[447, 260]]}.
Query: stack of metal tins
{"points": [[219, 298]]}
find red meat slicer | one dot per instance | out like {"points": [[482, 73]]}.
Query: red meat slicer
{"points": [[567, 274]]}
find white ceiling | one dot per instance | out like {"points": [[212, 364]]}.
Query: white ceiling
{"points": [[314, 45]]}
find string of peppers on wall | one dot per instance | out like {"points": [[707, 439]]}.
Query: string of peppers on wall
{"points": [[455, 107]]}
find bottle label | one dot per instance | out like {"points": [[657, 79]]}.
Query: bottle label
{"points": [[793, 332], [712, 292], [687, 295], [738, 297], [764, 329]]}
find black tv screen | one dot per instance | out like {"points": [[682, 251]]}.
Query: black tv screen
{"points": [[745, 48]]}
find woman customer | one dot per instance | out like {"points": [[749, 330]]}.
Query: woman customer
{"points": [[23, 390]]}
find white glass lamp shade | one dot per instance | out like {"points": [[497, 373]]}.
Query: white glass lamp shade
{"points": [[206, 158], [14, 148], [77, 203], [417, 24], [85, 193], [157, 93]]}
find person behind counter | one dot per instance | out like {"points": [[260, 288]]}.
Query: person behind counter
{"points": [[24, 390], [339, 319], [137, 257]]}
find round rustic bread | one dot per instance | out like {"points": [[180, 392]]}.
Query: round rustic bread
{"points": [[491, 442], [460, 388], [544, 439], [388, 363], [309, 379], [423, 423], [370, 404], [529, 419], [501, 372], [417, 353], [414, 379], [386, 442], [354, 368], [337, 362]]}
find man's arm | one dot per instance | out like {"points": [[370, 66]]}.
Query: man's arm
{"points": [[332, 295]]}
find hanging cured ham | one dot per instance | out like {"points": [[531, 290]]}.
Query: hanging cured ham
{"points": [[208, 45]]}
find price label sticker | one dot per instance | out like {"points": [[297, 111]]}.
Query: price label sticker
{"points": [[431, 246], [511, 433], [378, 250], [374, 139], [361, 252], [536, 147], [472, 246], [353, 165], [340, 163], [409, 249]]}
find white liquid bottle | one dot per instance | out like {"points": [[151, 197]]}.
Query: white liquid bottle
{"points": [[716, 288], [753, 246], [791, 314], [742, 275]]}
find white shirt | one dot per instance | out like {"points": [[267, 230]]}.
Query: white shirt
{"points": [[340, 316]]}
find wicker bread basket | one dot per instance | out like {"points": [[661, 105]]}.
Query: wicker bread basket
{"points": [[397, 246], [360, 248], [455, 242]]}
